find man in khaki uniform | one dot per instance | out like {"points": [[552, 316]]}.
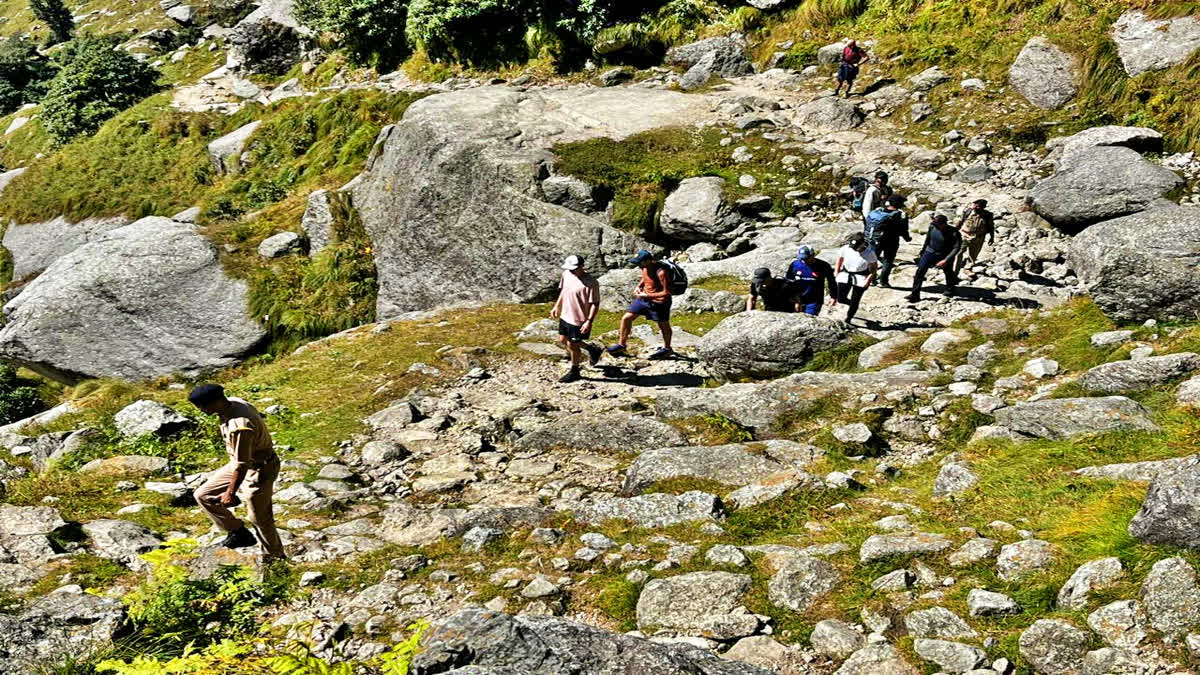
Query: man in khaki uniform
{"points": [[252, 459]]}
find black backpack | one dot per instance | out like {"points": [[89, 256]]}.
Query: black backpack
{"points": [[677, 279], [858, 187]]}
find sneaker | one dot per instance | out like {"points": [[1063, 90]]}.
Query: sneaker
{"points": [[662, 353], [913, 298], [240, 538], [594, 354], [616, 350], [949, 292], [572, 375]]}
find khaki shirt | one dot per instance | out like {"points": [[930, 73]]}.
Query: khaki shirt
{"points": [[246, 437]]}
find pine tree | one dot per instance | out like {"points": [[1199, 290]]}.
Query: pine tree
{"points": [[56, 17]]}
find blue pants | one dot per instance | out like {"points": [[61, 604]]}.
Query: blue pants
{"points": [[812, 308], [887, 260]]}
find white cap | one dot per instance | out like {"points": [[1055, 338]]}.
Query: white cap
{"points": [[573, 262]]}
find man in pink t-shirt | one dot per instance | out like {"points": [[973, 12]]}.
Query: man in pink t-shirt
{"points": [[576, 309]]}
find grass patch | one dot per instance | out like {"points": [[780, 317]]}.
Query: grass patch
{"points": [[638, 172], [840, 359], [713, 429]]}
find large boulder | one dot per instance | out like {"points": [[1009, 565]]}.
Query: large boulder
{"points": [[761, 406], [1054, 647], [614, 432], [650, 511], [35, 245], [225, 152], [270, 40], [701, 603], [829, 113], [1062, 418], [454, 187], [1146, 44], [1171, 597], [1044, 74], [802, 582], [767, 344], [697, 211], [144, 300], [67, 622], [1134, 375], [723, 56], [318, 220], [142, 418], [877, 659], [1145, 266], [1140, 139], [1101, 183], [122, 541], [1170, 515], [735, 464], [545, 644]]}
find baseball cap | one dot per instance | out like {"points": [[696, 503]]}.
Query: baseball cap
{"points": [[762, 273], [804, 252], [573, 262], [641, 256]]}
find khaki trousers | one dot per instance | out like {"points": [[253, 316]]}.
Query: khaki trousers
{"points": [[969, 253], [259, 485]]}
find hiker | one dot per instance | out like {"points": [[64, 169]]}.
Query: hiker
{"points": [[852, 56], [651, 299], [576, 309], [778, 295], [977, 224], [885, 227], [877, 192], [252, 460], [811, 275], [855, 271], [942, 244]]}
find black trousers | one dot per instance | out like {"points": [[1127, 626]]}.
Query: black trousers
{"points": [[930, 259], [850, 295]]}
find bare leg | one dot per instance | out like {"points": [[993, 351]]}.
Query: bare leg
{"points": [[665, 327], [626, 327], [575, 351]]}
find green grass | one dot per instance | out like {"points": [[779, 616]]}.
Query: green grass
{"points": [[641, 170], [983, 38]]}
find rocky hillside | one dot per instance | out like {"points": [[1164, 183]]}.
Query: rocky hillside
{"points": [[998, 481]]}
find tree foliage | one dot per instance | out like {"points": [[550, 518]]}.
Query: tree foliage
{"points": [[371, 30], [56, 17], [19, 397], [23, 74], [97, 80]]}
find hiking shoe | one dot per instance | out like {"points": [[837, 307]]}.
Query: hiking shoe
{"points": [[594, 354], [616, 350], [662, 353], [240, 538], [913, 298], [949, 292], [572, 375]]}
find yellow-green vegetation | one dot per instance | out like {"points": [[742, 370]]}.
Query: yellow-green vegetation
{"points": [[983, 38], [152, 160], [639, 172]]}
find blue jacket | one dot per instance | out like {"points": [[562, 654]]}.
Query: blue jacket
{"points": [[811, 279]]}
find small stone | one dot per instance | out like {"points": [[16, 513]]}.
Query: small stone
{"points": [[311, 578], [724, 554], [987, 603]]}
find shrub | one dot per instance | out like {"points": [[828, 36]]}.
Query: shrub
{"points": [[476, 32], [23, 73], [97, 81], [371, 30], [19, 397], [56, 17]]}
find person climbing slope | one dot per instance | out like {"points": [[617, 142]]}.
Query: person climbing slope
{"points": [[855, 271], [885, 227], [811, 275], [852, 57], [942, 244], [651, 299]]}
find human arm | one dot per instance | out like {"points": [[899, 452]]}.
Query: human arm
{"points": [[664, 284], [751, 300], [556, 310], [831, 281], [240, 452], [991, 229], [869, 201], [593, 310]]}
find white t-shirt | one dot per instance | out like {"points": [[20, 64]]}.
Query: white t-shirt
{"points": [[858, 263]]}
